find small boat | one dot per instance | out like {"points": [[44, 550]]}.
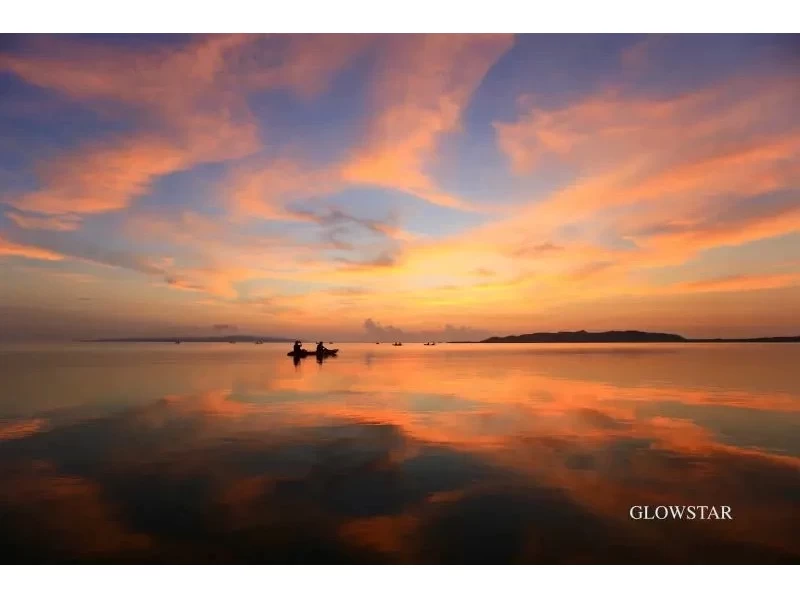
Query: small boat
{"points": [[306, 353], [259, 342], [430, 344], [397, 344]]}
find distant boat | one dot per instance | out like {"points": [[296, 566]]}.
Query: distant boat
{"points": [[259, 342], [429, 344], [177, 342], [397, 344]]}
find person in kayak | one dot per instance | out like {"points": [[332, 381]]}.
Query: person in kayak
{"points": [[320, 349], [298, 346]]}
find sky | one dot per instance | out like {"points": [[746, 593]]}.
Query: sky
{"points": [[409, 187]]}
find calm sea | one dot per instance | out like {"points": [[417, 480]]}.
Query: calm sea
{"points": [[203, 453]]}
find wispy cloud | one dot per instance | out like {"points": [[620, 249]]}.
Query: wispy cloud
{"points": [[189, 104], [184, 113], [27, 251], [664, 192], [301, 176], [61, 222], [740, 282], [422, 89], [419, 91]]}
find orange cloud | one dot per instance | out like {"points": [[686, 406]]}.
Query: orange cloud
{"points": [[175, 93], [729, 144], [21, 429], [266, 191], [218, 281], [27, 251], [191, 100], [769, 225], [103, 178], [660, 196], [87, 69], [657, 180], [386, 534]]}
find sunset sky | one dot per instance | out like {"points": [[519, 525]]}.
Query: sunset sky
{"points": [[446, 187]]}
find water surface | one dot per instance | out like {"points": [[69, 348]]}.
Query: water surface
{"points": [[204, 453]]}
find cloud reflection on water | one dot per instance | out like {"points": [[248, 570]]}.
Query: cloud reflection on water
{"points": [[420, 460]]}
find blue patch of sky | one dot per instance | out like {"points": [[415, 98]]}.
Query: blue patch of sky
{"points": [[366, 203], [108, 231], [136, 41], [322, 129], [676, 64], [481, 174], [439, 221], [739, 211], [198, 189], [5, 221], [51, 118], [201, 191], [39, 124], [555, 70], [551, 70]]}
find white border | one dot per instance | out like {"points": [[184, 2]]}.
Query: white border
{"points": [[160, 16], [398, 581], [361, 16]]}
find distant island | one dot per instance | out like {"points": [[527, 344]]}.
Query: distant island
{"points": [[239, 338], [627, 336], [580, 336]]}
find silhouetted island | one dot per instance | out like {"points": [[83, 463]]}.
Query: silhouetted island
{"points": [[627, 336], [193, 339], [581, 336]]}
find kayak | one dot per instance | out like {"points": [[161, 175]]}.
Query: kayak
{"points": [[305, 353]]}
